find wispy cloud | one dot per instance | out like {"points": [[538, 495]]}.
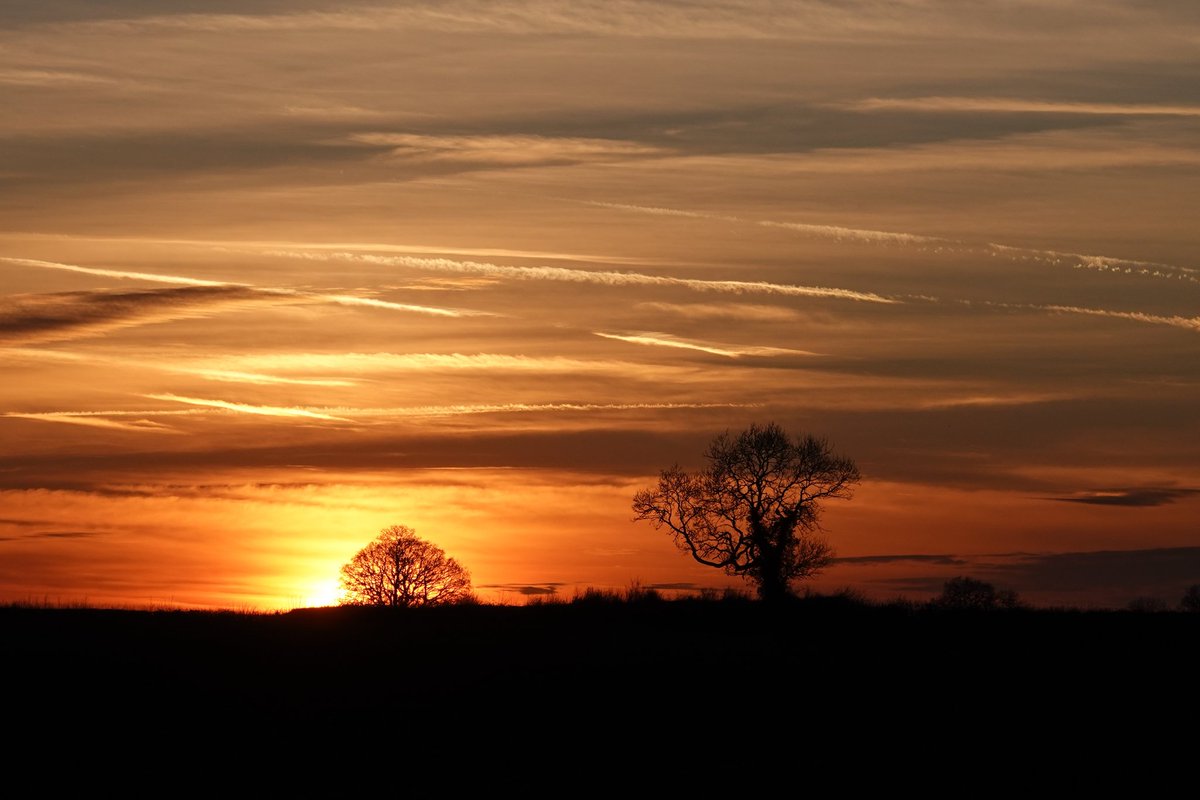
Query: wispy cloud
{"points": [[49, 78], [173, 365], [731, 19], [510, 150], [351, 300], [232, 376], [728, 351], [603, 278], [246, 408], [867, 235], [354, 363], [119, 419], [94, 420], [740, 311], [302, 295], [117, 273], [510, 408], [1012, 105], [813, 229], [373, 247], [1187, 323]]}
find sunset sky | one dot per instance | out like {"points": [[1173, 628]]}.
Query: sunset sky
{"points": [[275, 275]]}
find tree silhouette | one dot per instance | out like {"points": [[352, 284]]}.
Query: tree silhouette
{"points": [[963, 593], [398, 569], [754, 510]]}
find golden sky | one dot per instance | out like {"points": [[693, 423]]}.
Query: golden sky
{"points": [[275, 275]]}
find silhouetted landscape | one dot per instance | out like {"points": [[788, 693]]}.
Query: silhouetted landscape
{"points": [[814, 659]]}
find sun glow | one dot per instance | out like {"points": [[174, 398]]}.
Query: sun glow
{"points": [[321, 593]]}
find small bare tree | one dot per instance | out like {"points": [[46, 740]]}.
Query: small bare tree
{"points": [[754, 510], [398, 569]]}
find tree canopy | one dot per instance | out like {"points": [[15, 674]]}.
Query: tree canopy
{"points": [[399, 569], [754, 510]]}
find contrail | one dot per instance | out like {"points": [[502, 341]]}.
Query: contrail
{"points": [[603, 278], [1056, 257]]}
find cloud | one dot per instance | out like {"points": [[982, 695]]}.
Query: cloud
{"points": [[740, 311], [1018, 105], [351, 300], [299, 295], [728, 351], [117, 419], [1109, 577], [529, 590], [868, 235], [246, 408], [66, 315], [89, 419], [257, 377], [731, 19], [117, 273], [1141, 497], [510, 408], [355, 363], [830, 231], [603, 278], [941, 559], [504, 150], [48, 78], [1127, 572], [1187, 323]]}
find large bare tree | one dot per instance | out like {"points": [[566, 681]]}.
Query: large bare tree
{"points": [[399, 569], [754, 511]]}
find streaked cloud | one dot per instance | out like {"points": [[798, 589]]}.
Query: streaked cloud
{"points": [[1010, 105], [95, 420], [351, 300], [117, 273], [603, 278], [336, 299], [355, 363], [844, 233], [247, 408], [728, 351], [741, 311], [510, 408], [511, 150], [49, 78], [259, 378], [1175, 321]]}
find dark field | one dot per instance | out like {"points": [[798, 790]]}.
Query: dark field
{"points": [[817, 662]]}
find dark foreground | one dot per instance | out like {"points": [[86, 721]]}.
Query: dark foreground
{"points": [[651, 678]]}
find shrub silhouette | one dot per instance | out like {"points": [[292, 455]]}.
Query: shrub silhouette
{"points": [[1147, 605], [963, 593], [1191, 599]]}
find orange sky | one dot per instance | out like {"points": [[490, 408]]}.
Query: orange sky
{"points": [[276, 275]]}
